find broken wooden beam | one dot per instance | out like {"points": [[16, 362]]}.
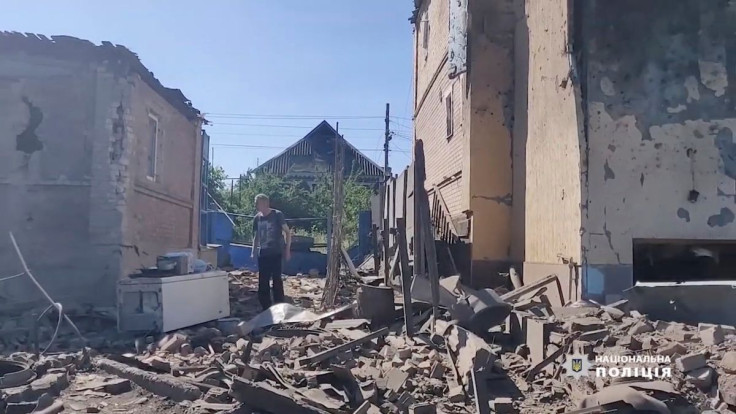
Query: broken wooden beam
{"points": [[325, 355], [405, 276], [349, 263]]}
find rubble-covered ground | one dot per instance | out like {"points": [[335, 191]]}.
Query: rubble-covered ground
{"points": [[340, 362]]}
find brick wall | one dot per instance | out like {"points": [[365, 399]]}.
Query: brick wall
{"points": [[60, 200], [162, 213], [443, 154]]}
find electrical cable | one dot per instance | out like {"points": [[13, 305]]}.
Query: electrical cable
{"points": [[12, 277], [60, 310]]}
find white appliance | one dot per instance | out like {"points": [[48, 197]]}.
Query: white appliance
{"points": [[165, 304]]}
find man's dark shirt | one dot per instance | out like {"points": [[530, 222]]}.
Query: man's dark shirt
{"points": [[269, 230]]}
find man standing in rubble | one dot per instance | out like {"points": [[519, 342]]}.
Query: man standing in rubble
{"points": [[272, 244]]}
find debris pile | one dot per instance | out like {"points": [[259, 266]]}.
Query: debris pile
{"points": [[504, 352]]}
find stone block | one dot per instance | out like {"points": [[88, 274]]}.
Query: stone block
{"points": [[690, 362]]}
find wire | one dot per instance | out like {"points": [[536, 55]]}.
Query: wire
{"points": [[60, 310], [12, 277], [254, 134], [401, 124], [283, 116], [277, 147], [294, 126]]}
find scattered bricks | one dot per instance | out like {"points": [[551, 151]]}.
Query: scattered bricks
{"points": [[395, 380], [630, 342], [158, 363], [217, 395], [620, 304], [649, 343], [586, 324], [185, 349], [404, 401], [728, 362], [690, 362], [614, 313], [50, 383], [163, 385], [728, 330], [522, 350], [671, 349], [593, 336], [367, 408], [582, 347], [172, 343], [557, 338], [117, 386], [503, 405], [409, 369], [661, 326], [456, 395], [404, 353], [636, 314], [424, 408], [727, 388], [712, 336], [437, 371], [642, 326], [701, 377]]}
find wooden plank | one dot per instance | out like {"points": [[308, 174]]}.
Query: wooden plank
{"points": [[327, 354], [349, 262], [405, 276], [446, 211], [425, 226]]}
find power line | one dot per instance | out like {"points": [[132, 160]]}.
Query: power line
{"points": [[293, 126], [257, 134], [282, 148], [285, 116]]}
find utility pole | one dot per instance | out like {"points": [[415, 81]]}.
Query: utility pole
{"points": [[386, 176], [386, 139]]}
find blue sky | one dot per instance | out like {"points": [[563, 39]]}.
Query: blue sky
{"points": [[266, 70]]}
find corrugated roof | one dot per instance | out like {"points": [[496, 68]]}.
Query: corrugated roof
{"points": [[72, 48], [280, 164]]}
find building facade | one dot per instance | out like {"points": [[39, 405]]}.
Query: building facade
{"points": [[602, 132], [99, 171]]}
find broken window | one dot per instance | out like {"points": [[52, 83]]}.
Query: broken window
{"points": [[449, 114], [153, 146], [684, 260]]}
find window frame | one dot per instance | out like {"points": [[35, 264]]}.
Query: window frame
{"points": [[449, 104]]}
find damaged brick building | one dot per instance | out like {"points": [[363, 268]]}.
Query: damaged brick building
{"points": [[593, 139], [99, 167]]}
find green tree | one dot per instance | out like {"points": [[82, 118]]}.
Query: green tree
{"points": [[293, 198]]}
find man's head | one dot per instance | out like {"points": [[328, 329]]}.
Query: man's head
{"points": [[262, 203]]}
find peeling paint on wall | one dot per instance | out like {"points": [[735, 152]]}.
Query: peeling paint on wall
{"points": [[661, 94], [721, 219]]}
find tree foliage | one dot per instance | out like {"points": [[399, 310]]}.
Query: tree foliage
{"points": [[293, 198]]}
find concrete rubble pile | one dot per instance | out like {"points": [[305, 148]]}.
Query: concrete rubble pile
{"points": [[502, 352]]}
